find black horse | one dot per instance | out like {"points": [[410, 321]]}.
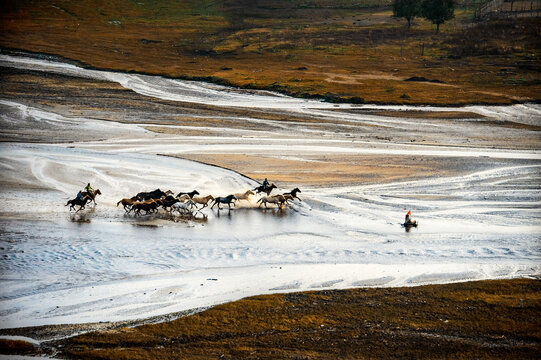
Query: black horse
{"points": [[154, 195], [293, 193], [192, 194], [168, 202], [224, 200], [78, 202], [267, 190]]}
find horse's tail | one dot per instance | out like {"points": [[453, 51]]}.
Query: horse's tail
{"points": [[260, 200], [68, 203], [118, 203]]}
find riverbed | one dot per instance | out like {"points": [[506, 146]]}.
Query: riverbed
{"points": [[472, 181]]}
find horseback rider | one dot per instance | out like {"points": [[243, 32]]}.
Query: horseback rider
{"points": [[79, 195], [88, 188], [265, 183]]}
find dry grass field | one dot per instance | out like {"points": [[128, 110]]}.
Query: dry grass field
{"points": [[340, 52], [482, 320]]}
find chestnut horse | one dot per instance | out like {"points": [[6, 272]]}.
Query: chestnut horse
{"points": [[92, 195], [127, 203]]}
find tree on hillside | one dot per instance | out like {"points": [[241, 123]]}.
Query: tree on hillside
{"points": [[407, 9], [438, 11]]}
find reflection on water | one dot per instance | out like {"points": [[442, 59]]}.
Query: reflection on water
{"points": [[83, 215]]}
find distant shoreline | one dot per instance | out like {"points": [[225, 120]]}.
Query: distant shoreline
{"points": [[328, 97]]}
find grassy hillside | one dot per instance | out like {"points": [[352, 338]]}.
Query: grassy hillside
{"points": [[341, 50]]}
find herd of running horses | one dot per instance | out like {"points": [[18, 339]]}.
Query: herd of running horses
{"points": [[186, 202]]}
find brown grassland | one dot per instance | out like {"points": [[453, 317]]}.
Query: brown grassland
{"points": [[345, 52], [482, 320], [306, 48]]}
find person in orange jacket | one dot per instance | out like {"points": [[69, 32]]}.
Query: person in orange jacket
{"points": [[408, 220]]}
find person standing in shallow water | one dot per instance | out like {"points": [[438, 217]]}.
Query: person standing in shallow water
{"points": [[408, 219]]}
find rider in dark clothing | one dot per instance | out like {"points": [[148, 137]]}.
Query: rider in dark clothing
{"points": [[79, 196], [265, 183]]}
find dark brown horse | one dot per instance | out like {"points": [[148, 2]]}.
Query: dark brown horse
{"points": [[267, 190], [191, 194], [146, 206], [92, 195], [156, 194], [293, 193], [78, 202]]}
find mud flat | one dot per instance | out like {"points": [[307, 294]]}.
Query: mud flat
{"points": [[472, 180]]}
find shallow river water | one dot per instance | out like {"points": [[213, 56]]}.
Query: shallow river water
{"points": [[102, 265]]}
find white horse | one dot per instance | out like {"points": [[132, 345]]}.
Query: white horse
{"points": [[183, 207]]}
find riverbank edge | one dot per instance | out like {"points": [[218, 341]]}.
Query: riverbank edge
{"points": [[327, 97], [498, 296]]}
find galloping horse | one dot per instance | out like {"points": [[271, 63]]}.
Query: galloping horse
{"points": [[245, 195], [293, 193], [191, 194], [147, 206], [79, 202], [92, 195], [169, 201], [266, 190], [127, 203], [183, 207], [275, 199], [156, 194], [224, 200], [202, 200]]}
